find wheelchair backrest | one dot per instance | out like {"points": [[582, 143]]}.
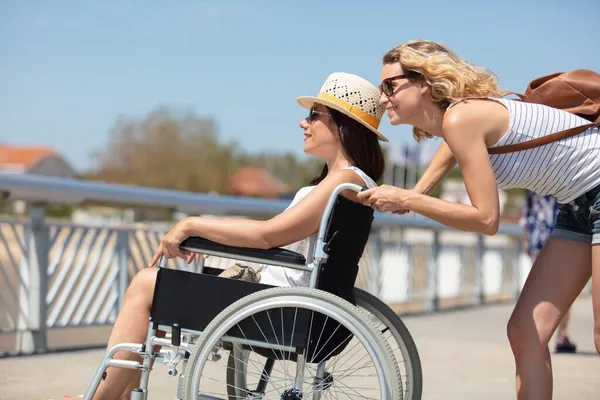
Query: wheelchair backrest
{"points": [[348, 230]]}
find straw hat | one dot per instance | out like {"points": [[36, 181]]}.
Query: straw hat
{"points": [[351, 95]]}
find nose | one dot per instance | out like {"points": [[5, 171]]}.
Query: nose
{"points": [[383, 100], [304, 124]]}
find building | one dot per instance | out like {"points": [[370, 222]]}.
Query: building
{"points": [[38, 160], [255, 182]]}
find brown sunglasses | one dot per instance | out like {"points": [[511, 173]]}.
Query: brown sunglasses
{"points": [[387, 87]]}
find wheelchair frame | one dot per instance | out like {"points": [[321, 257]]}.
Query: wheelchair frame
{"points": [[179, 347]]}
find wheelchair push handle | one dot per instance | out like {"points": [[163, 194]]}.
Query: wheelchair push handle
{"points": [[331, 203]]}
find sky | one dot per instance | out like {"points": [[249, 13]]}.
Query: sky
{"points": [[69, 69]]}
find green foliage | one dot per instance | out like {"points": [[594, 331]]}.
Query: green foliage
{"points": [[455, 173], [183, 152], [58, 211]]}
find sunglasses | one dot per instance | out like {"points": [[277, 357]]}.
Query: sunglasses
{"points": [[312, 115], [387, 87]]}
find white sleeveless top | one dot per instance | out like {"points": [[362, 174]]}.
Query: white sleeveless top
{"points": [[565, 169], [280, 276]]}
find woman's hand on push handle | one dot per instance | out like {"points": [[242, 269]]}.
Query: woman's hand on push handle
{"points": [[387, 198]]}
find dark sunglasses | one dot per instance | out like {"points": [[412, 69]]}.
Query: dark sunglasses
{"points": [[312, 115], [387, 87]]}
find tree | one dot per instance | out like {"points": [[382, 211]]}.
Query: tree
{"points": [[182, 151], [166, 150]]}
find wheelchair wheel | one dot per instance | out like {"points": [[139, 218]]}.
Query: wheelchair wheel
{"points": [[400, 340], [384, 319], [328, 349]]}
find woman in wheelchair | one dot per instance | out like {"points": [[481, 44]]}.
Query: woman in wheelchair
{"points": [[341, 129]]}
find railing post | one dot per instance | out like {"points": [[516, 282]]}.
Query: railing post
{"points": [[517, 267], [373, 283], [433, 299], [35, 283], [479, 295], [122, 261]]}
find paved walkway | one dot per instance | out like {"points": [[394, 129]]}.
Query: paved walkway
{"points": [[465, 356]]}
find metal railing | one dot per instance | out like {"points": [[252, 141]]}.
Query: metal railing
{"points": [[56, 275]]}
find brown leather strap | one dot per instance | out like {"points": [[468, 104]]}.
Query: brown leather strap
{"points": [[567, 133], [519, 95]]}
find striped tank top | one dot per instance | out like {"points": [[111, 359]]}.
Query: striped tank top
{"points": [[565, 169]]}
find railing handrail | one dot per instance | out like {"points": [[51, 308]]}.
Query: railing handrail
{"points": [[53, 190]]}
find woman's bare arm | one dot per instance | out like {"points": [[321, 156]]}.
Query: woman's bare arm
{"points": [[295, 223], [465, 132], [440, 166]]}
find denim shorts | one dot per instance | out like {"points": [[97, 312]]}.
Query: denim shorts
{"points": [[579, 219]]}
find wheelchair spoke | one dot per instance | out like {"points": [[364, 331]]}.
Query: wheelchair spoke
{"points": [[246, 364], [254, 364], [251, 348], [293, 330], [320, 336], [342, 376], [345, 355], [337, 347], [275, 334], [259, 375], [287, 374]]}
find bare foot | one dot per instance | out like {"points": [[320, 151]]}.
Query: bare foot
{"points": [[80, 397]]}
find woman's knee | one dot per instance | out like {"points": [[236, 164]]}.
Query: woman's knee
{"points": [[513, 331], [142, 284], [526, 334]]}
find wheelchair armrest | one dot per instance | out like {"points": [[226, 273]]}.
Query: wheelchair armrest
{"points": [[277, 256]]}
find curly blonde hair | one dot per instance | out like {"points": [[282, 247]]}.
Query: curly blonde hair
{"points": [[449, 77]]}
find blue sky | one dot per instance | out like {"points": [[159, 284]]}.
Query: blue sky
{"points": [[68, 69]]}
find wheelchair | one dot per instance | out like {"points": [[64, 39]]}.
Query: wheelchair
{"points": [[327, 340]]}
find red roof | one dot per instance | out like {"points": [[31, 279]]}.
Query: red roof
{"points": [[24, 155], [255, 182]]}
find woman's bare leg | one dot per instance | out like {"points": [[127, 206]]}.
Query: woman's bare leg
{"points": [[131, 326], [596, 293], [557, 277], [137, 376]]}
